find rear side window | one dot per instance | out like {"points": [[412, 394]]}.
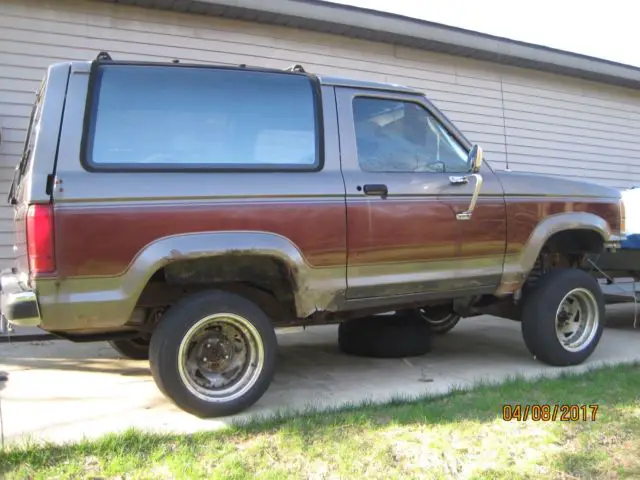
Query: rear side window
{"points": [[155, 117], [24, 164]]}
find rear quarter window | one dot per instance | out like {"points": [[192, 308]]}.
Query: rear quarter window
{"points": [[15, 190], [179, 117]]}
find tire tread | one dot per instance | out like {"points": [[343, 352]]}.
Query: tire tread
{"points": [[177, 320], [538, 316], [384, 337]]}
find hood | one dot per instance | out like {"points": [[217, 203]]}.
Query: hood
{"points": [[526, 184]]}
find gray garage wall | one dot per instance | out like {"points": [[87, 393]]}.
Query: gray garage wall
{"points": [[536, 122]]}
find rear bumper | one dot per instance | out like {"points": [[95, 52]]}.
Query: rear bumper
{"points": [[18, 304]]}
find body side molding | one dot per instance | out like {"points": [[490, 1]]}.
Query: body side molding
{"points": [[106, 301]]}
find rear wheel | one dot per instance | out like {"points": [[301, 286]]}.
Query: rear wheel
{"points": [[213, 354], [133, 348], [563, 317]]}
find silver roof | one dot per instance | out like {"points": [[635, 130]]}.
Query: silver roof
{"points": [[377, 26], [349, 82], [85, 66]]}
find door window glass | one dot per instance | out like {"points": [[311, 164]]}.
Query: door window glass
{"points": [[401, 136]]}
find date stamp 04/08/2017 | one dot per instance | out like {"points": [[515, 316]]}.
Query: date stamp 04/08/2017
{"points": [[546, 412]]}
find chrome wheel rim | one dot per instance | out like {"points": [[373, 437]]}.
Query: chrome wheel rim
{"points": [[221, 357], [577, 319], [448, 318]]}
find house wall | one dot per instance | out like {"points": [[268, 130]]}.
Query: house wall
{"points": [[526, 120]]}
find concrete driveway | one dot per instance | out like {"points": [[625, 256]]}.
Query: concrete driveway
{"points": [[60, 391]]}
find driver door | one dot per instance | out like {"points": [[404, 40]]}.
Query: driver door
{"points": [[407, 179]]}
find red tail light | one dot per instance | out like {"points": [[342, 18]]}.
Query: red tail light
{"points": [[40, 239]]}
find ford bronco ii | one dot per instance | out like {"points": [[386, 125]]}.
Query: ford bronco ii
{"points": [[183, 212]]}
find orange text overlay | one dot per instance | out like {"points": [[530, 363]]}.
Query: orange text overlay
{"points": [[546, 412]]}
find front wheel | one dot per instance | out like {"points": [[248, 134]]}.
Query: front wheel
{"points": [[563, 317], [213, 354]]}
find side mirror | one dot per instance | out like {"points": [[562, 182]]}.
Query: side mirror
{"points": [[475, 158]]}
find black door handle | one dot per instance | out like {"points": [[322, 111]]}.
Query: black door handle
{"points": [[376, 189]]}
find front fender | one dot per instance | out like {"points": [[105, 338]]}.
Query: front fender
{"points": [[518, 267]]}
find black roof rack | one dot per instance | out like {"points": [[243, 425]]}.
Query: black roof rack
{"points": [[296, 67], [103, 56]]}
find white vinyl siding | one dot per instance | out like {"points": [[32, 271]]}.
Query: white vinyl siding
{"points": [[538, 122]]}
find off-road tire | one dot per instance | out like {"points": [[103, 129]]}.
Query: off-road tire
{"points": [[132, 348], [176, 323], [540, 307], [384, 336]]}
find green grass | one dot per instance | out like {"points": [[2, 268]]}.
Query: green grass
{"points": [[460, 435]]}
